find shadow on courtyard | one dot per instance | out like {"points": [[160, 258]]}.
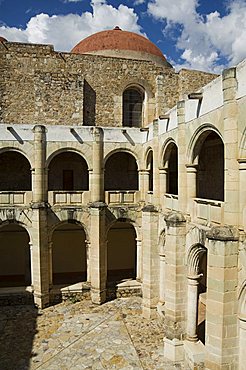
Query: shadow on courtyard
{"points": [[17, 331]]}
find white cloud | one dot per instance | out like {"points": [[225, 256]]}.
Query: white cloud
{"points": [[65, 31], [205, 42], [138, 2]]}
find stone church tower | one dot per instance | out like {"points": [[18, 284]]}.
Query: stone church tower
{"points": [[120, 176]]}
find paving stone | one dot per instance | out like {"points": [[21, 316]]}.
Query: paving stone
{"points": [[82, 336]]}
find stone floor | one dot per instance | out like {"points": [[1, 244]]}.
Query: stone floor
{"points": [[81, 336]]}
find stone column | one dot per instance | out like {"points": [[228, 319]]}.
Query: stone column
{"points": [[40, 255], [230, 111], [192, 310], [98, 255], [139, 260], [162, 276], [182, 180], [88, 263], [242, 192], [175, 299], [40, 249], [150, 260], [50, 264], [31, 260], [242, 342], [39, 190], [191, 187], [221, 306], [162, 185], [143, 183], [97, 180], [155, 146]]}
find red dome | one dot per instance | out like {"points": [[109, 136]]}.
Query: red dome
{"points": [[118, 43], [2, 39]]}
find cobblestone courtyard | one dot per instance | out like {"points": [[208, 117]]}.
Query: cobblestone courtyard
{"points": [[81, 336]]}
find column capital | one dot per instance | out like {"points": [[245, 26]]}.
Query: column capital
{"points": [[224, 233]]}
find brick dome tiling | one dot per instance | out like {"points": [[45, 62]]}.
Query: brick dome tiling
{"points": [[121, 44]]}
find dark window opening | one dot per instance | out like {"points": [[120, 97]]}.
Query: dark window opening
{"points": [[132, 107]]}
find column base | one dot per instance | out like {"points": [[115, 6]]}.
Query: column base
{"points": [[98, 296], [41, 300], [149, 312], [194, 353], [173, 349]]}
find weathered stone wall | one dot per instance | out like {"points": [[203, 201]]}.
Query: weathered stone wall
{"points": [[38, 85], [191, 81]]}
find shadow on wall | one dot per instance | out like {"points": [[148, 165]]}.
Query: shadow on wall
{"points": [[17, 331], [89, 104]]}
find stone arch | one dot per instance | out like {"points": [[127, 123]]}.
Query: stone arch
{"points": [[197, 286], [242, 325], [162, 241], [18, 150], [68, 170], [242, 145], [193, 259], [144, 85], [133, 106], [170, 163], [242, 300], [207, 156], [149, 167], [121, 171], [54, 153], [15, 255], [197, 140], [69, 261], [64, 221], [122, 150], [15, 169], [125, 219], [121, 251]]}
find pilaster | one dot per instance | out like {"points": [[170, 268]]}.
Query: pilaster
{"points": [[175, 300], [230, 111], [221, 306], [150, 260], [182, 185]]}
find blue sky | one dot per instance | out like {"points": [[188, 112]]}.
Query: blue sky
{"points": [[199, 34]]}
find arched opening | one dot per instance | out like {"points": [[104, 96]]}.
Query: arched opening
{"points": [[150, 170], [121, 172], [69, 261], [133, 98], [172, 169], [15, 172], [15, 260], [197, 287], [242, 326], [210, 169], [202, 289], [68, 171], [121, 252]]}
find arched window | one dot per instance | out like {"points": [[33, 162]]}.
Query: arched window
{"points": [[172, 173], [121, 172], [132, 107], [15, 172], [150, 170], [210, 171], [68, 171]]}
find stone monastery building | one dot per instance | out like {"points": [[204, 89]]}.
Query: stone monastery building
{"points": [[119, 176]]}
